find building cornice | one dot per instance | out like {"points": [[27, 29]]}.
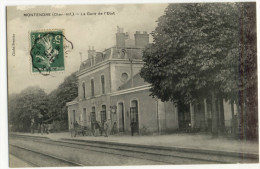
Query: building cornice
{"points": [[131, 90], [71, 103], [125, 61], [126, 91]]}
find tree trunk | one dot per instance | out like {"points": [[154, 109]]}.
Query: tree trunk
{"points": [[217, 111], [214, 115], [239, 130], [206, 113], [192, 114], [233, 116], [221, 115]]}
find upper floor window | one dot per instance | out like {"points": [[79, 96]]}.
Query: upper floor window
{"points": [[103, 84], [92, 87], [84, 90]]}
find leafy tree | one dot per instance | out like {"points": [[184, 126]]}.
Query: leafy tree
{"points": [[248, 100], [190, 41], [30, 104], [34, 103], [195, 54], [57, 99]]}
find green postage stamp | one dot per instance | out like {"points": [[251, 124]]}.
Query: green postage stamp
{"points": [[47, 51]]}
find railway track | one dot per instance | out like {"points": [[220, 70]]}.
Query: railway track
{"points": [[161, 155], [39, 159]]}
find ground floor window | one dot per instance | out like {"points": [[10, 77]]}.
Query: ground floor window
{"points": [[84, 116], [134, 111], [103, 114], [93, 115], [134, 114], [121, 117]]}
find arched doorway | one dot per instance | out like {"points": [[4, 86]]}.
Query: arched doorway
{"points": [[121, 117], [134, 114]]}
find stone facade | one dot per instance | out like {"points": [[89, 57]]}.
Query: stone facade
{"points": [[110, 88]]}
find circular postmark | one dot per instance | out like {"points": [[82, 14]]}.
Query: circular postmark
{"points": [[48, 50]]}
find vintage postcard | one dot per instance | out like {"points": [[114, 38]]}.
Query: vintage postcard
{"points": [[132, 84]]}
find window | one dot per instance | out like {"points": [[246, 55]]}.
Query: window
{"points": [[103, 114], [134, 111], [124, 76], [134, 114], [84, 114], [103, 84], [84, 91], [92, 87], [93, 114]]}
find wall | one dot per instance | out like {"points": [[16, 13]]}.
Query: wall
{"points": [[171, 116], [70, 114], [97, 102], [118, 68], [168, 117], [96, 75], [228, 113], [200, 121], [161, 116], [147, 109]]}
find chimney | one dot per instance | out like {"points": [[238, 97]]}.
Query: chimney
{"points": [[120, 38], [92, 55], [141, 39]]}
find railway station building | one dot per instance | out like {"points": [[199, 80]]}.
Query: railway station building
{"points": [[110, 88]]}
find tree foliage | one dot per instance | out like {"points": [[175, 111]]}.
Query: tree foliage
{"points": [[30, 103], [195, 50], [57, 99], [34, 103]]}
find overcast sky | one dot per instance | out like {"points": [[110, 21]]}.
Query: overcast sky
{"points": [[82, 31]]}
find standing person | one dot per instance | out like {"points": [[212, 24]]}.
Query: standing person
{"points": [[106, 127], [113, 130], [93, 128], [132, 125], [100, 127]]}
